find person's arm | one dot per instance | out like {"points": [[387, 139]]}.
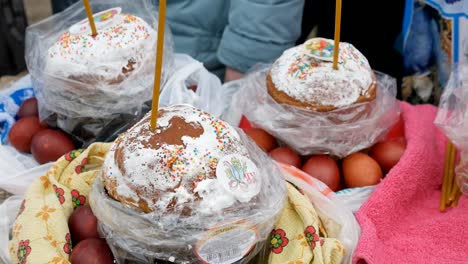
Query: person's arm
{"points": [[259, 31]]}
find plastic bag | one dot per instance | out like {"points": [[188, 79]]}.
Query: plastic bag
{"points": [[339, 132], [16, 184], [327, 203], [354, 198], [10, 101], [191, 72], [13, 162], [192, 84], [235, 235], [16, 178], [233, 111], [87, 98], [8, 211], [187, 74], [452, 118]]}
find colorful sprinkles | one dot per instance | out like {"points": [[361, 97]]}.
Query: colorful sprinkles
{"points": [[123, 33], [179, 163], [320, 53]]}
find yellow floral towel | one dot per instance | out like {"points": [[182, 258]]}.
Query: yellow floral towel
{"points": [[299, 236], [40, 233]]}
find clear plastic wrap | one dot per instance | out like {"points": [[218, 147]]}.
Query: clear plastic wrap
{"points": [[233, 235], [339, 132], [354, 198], [8, 211], [452, 118], [193, 84], [89, 95]]}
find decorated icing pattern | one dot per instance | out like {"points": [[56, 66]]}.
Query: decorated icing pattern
{"points": [[305, 73], [179, 172], [106, 15], [122, 35], [320, 48], [121, 38], [238, 175]]}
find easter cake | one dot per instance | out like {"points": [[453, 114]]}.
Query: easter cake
{"points": [[304, 77]]}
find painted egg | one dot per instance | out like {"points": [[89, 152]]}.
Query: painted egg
{"points": [[325, 169], [360, 170], [264, 140], [49, 145], [287, 156]]}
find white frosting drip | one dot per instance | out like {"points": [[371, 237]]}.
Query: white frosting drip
{"points": [[128, 38], [311, 80], [147, 169], [214, 196]]}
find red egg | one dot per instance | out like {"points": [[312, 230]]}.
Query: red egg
{"points": [[388, 153], [83, 224], [193, 88], [264, 140], [49, 145], [245, 124], [22, 133], [28, 108], [360, 170], [92, 251], [325, 169], [287, 156], [397, 131]]}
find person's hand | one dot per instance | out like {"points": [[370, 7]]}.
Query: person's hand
{"points": [[232, 75]]}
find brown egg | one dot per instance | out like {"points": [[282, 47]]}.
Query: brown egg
{"points": [[361, 170], [28, 108], [83, 224], [49, 145], [23, 131], [287, 156], [92, 251], [388, 153], [325, 169], [264, 140]]}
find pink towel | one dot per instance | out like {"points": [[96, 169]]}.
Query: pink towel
{"points": [[401, 221]]}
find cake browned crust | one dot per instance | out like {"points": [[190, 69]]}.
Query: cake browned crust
{"points": [[283, 98]]}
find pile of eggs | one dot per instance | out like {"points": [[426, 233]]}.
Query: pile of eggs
{"points": [[88, 247], [29, 135], [360, 169]]}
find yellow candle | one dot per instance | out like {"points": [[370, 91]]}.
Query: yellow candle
{"points": [[337, 34], [159, 60], [89, 12]]}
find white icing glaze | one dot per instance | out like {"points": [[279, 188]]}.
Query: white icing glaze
{"points": [[194, 163], [127, 38], [214, 196], [311, 80]]}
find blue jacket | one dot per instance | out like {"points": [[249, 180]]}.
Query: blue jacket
{"points": [[235, 33]]}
